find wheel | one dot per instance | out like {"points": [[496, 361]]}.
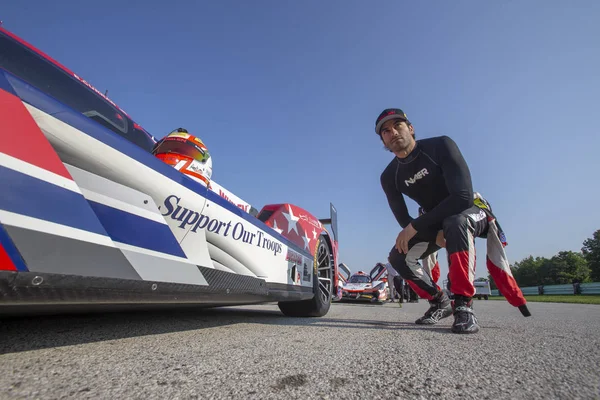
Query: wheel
{"points": [[319, 305], [478, 297], [485, 296]]}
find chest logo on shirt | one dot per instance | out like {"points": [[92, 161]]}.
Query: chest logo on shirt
{"points": [[417, 176]]}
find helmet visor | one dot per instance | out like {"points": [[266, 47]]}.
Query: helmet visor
{"points": [[183, 147]]}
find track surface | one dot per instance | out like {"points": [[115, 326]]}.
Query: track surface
{"points": [[356, 351]]}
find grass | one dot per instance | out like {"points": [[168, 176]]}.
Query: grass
{"points": [[559, 298]]}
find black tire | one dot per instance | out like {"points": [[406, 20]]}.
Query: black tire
{"points": [[485, 296], [319, 305]]}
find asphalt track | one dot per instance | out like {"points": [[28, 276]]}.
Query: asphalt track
{"points": [[356, 351]]}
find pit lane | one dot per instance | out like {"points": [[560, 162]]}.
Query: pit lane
{"points": [[356, 351]]}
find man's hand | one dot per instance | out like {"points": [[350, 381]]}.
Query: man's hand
{"points": [[440, 240], [403, 238]]}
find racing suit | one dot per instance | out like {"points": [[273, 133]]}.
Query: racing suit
{"points": [[436, 176]]}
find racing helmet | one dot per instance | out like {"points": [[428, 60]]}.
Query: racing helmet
{"points": [[186, 153]]}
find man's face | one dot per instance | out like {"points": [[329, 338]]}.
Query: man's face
{"points": [[397, 135]]}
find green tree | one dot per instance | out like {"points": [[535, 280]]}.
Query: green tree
{"points": [[563, 268], [548, 272], [591, 252], [527, 271]]}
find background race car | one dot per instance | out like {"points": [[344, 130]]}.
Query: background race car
{"points": [[371, 287], [343, 276]]}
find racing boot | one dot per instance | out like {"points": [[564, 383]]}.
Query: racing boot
{"points": [[465, 320], [440, 308]]}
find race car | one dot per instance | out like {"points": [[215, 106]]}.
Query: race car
{"points": [[372, 286], [90, 218], [344, 274]]}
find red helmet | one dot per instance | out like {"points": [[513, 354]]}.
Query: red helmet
{"points": [[186, 153]]}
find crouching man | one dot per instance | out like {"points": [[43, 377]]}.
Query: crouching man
{"points": [[434, 174]]}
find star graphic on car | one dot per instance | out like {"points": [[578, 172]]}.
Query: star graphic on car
{"points": [[275, 228], [306, 240], [292, 220]]}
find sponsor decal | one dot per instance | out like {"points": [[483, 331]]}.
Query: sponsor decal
{"points": [[230, 197], [297, 263], [243, 206], [417, 176], [311, 221], [307, 275], [293, 257], [479, 216], [195, 220], [195, 167], [198, 168]]}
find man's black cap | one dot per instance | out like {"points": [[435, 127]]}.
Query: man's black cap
{"points": [[387, 114]]}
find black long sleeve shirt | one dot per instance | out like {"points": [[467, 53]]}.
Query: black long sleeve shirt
{"points": [[436, 176]]}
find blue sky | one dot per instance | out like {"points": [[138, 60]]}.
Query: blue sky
{"points": [[285, 95]]}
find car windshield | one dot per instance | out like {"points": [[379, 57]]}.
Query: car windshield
{"points": [[360, 279]]}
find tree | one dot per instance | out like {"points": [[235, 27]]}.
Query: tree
{"points": [[591, 252], [548, 272], [565, 267], [526, 271]]}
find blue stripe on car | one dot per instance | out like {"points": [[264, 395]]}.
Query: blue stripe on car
{"points": [[36, 198], [137, 231]]}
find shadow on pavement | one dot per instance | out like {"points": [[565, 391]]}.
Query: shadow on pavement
{"points": [[33, 333]]}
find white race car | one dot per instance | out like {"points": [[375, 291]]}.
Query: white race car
{"points": [[371, 287], [90, 218]]}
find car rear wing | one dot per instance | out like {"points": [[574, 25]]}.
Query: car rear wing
{"points": [[332, 220]]}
